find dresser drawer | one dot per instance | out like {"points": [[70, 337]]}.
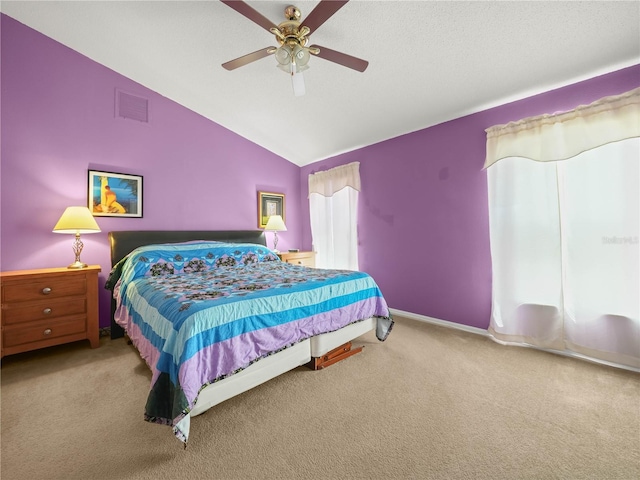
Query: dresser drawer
{"points": [[53, 286], [42, 310], [34, 332]]}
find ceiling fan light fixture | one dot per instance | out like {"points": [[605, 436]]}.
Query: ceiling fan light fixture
{"points": [[297, 68], [283, 55], [301, 55]]}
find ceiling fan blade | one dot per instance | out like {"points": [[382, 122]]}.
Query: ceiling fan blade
{"points": [[342, 58], [250, 57], [244, 9], [323, 11]]}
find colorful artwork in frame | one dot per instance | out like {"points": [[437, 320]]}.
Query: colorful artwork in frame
{"points": [[269, 204], [115, 194]]}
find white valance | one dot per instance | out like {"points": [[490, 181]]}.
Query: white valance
{"points": [[560, 136], [330, 181]]}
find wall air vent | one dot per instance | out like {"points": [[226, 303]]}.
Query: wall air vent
{"points": [[132, 107]]}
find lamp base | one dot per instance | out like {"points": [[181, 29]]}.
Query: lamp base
{"points": [[77, 265], [77, 249]]}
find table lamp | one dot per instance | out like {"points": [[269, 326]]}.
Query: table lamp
{"points": [[275, 224], [74, 221]]}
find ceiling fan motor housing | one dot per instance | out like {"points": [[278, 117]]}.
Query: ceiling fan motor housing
{"points": [[289, 32]]}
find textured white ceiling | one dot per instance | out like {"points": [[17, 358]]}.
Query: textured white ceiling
{"points": [[429, 61]]}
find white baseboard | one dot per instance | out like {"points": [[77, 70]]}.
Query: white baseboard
{"points": [[437, 321], [485, 333]]}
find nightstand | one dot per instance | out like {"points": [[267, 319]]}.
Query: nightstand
{"points": [[46, 307], [308, 259]]}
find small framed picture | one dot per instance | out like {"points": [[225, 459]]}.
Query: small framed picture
{"points": [[269, 204], [115, 194]]}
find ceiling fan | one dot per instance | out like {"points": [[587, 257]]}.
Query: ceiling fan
{"points": [[292, 35]]}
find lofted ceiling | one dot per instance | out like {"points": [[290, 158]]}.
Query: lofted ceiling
{"points": [[429, 61]]}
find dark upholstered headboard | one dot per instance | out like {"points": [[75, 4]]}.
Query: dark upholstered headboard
{"points": [[123, 242]]}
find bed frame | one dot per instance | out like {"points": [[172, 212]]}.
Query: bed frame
{"points": [[316, 352]]}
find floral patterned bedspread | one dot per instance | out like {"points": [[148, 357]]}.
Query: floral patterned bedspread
{"points": [[201, 311]]}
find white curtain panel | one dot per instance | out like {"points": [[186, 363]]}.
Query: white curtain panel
{"points": [[565, 252], [333, 206], [600, 207], [526, 253]]}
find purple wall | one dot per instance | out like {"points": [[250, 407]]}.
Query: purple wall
{"points": [[58, 121], [423, 213]]}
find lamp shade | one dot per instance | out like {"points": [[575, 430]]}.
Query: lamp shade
{"points": [[76, 220], [276, 224]]}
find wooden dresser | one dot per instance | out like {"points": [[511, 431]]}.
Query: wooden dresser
{"points": [[308, 259], [46, 307]]}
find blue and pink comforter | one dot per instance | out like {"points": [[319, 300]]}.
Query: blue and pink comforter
{"points": [[201, 311]]}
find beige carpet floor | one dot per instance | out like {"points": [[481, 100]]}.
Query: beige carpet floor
{"points": [[429, 403]]}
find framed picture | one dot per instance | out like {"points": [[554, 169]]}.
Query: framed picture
{"points": [[269, 204], [115, 194]]}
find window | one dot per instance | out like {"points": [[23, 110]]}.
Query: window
{"points": [[333, 207], [564, 242]]}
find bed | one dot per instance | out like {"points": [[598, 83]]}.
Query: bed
{"points": [[216, 313]]}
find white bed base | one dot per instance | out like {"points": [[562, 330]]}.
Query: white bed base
{"points": [[274, 365], [321, 344]]}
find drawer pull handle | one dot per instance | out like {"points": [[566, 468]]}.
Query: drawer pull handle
{"points": [[46, 290], [46, 311], [47, 331]]}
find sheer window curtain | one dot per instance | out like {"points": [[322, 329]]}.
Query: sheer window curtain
{"points": [[564, 208], [333, 206]]}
